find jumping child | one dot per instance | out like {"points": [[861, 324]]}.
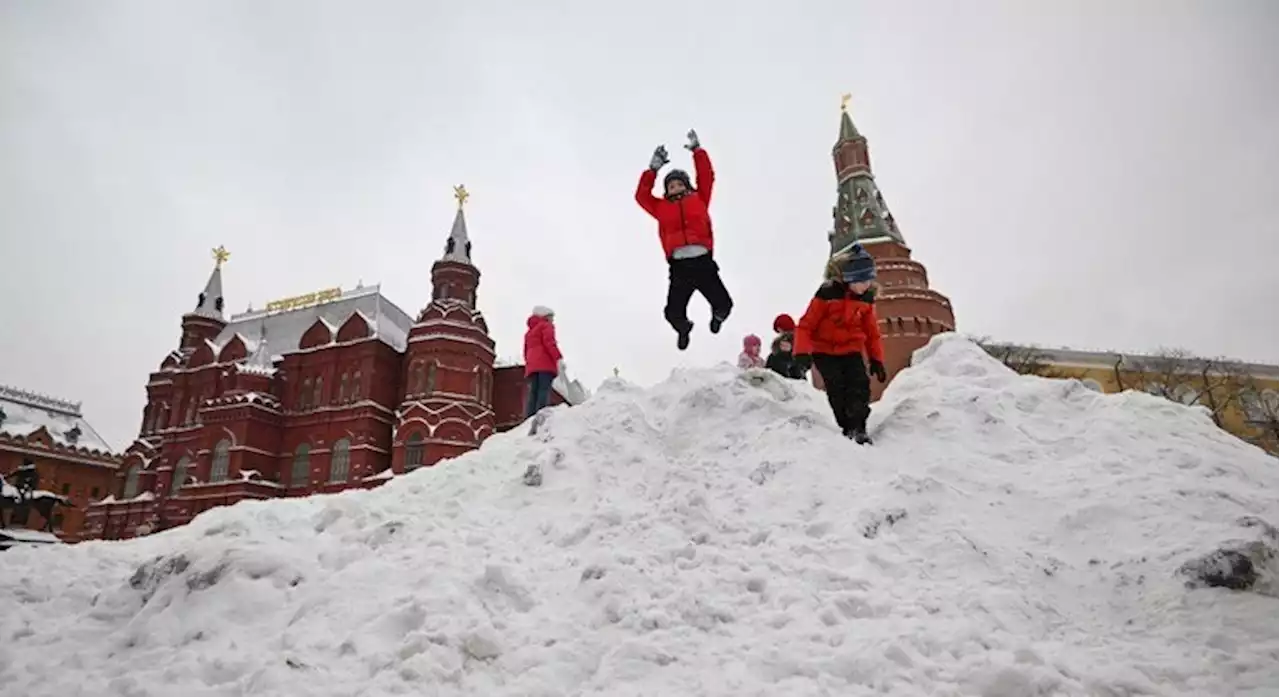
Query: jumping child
{"points": [[839, 324], [684, 228]]}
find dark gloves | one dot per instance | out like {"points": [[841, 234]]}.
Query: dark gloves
{"points": [[693, 141], [877, 369], [659, 158], [803, 363]]}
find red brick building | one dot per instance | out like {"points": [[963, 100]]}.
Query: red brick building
{"points": [[72, 460], [318, 393], [910, 312]]}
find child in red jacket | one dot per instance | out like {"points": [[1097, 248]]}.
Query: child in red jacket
{"points": [[684, 228], [838, 326], [542, 358]]}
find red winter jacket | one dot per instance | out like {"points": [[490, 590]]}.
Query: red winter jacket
{"points": [[686, 220], [837, 323], [541, 354]]}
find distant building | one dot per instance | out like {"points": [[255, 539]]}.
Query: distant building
{"points": [[318, 393], [910, 312], [71, 459], [1240, 397]]}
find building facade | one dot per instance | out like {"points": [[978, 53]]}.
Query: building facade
{"points": [[910, 311], [1240, 397], [314, 394], [74, 465]]}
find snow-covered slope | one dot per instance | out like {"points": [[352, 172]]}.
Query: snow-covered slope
{"points": [[713, 535]]}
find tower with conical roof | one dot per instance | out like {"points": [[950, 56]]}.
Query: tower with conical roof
{"points": [[910, 312], [447, 403], [205, 321]]}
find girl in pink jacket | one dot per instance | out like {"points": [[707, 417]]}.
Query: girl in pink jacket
{"points": [[750, 356]]}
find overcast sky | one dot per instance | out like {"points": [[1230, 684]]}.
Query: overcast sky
{"points": [[1093, 174]]}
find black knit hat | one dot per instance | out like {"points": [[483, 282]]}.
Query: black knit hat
{"points": [[677, 174]]}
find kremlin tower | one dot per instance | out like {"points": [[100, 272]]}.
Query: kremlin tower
{"points": [[910, 312]]}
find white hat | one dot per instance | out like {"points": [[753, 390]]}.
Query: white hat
{"points": [[543, 311]]}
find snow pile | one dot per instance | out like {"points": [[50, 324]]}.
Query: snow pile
{"points": [[714, 535]]}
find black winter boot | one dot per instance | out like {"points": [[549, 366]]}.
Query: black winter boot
{"points": [[682, 338], [860, 436]]}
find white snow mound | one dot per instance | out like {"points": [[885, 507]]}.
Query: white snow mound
{"points": [[1006, 536]]}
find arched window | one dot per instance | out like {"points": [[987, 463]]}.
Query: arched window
{"points": [[413, 453], [221, 461], [300, 476], [342, 389], [131, 483], [340, 461], [179, 475], [431, 377], [319, 393], [191, 411], [304, 393], [355, 386]]}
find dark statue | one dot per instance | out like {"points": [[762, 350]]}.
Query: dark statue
{"points": [[18, 499]]}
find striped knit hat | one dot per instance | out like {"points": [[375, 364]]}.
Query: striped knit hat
{"points": [[853, 265]]}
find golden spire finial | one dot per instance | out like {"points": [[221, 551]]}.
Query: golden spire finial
{"points": [[844, 101], [220, 256], [460, 193]]}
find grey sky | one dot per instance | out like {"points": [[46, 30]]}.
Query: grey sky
{"points": [[1094, 174]]}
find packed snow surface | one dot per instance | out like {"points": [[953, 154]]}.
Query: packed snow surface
{"points": [[1006, 536]]}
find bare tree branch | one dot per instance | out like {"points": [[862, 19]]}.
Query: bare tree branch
{"points": [[1024, 360], [1259, 406], [1175, 374]]}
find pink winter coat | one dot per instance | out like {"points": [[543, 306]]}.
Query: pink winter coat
{"points": [[750, 356], [541, 354]]}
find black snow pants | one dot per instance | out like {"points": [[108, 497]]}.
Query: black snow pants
{"points": [[848, 388], [687, 275]]}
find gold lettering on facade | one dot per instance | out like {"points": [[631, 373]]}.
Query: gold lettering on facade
{"points": [[305, 300]]}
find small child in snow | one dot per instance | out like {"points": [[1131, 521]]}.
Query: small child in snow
{"points": [[839, 324], [750, 356], [781, 360]]}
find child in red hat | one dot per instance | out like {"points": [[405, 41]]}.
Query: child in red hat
{"points": [[781, 360]]}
